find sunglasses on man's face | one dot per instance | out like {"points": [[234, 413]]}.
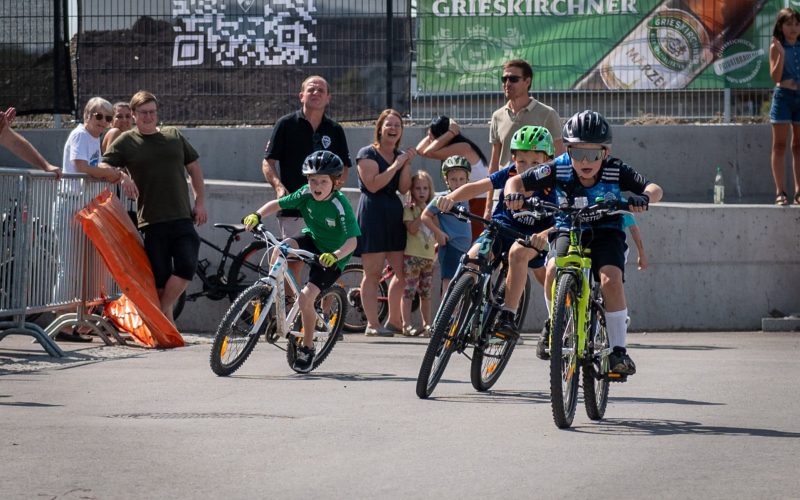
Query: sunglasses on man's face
{"points": [[581, 154], [510, 78], [100, 116]]}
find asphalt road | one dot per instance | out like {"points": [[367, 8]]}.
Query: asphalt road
{"points": [[709, 415]]}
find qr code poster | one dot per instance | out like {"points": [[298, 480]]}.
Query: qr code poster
{"points": [[244, 32]]}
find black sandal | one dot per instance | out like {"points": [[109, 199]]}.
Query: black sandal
{"points": [[783, 199], [797, 198]]}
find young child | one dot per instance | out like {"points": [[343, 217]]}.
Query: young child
{"points": [[419, 255], [453, 235], [587, 171], [331, 231], [530, 146]]}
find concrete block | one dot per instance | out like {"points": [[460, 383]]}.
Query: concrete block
{"points": [[788, 324]]}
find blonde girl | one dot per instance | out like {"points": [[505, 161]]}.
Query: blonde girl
{"points": [[419, 254]]}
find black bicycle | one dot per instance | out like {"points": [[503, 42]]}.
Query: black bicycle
{"points": [[227, 282], [468, 314]]}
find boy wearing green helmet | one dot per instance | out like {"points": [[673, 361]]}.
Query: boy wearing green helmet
{"points": [[452, 235], [530, 146]]}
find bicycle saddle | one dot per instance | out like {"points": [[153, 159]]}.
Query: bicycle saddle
{"points": [[231, 228]]}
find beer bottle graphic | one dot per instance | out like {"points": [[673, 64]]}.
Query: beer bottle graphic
{"points": [[672, 45]]}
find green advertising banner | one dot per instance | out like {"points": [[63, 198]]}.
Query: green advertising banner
{"points": [[596, 44]]}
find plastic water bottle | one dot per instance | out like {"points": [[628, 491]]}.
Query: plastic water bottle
{"points": [[719, 188]]}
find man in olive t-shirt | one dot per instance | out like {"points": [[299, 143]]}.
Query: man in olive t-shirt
{"points": [[158, 159]]}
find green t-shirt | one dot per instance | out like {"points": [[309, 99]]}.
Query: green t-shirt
{"points": [[330, 222], [157, 163]]}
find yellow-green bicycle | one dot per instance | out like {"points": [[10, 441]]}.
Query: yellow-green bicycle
{"points": [[578, 337]]}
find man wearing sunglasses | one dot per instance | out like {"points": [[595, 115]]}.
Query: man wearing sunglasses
{"points": [[520, 110], [587, 173]]}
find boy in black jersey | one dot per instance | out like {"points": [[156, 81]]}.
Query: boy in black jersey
{"points": [[587, 171]]}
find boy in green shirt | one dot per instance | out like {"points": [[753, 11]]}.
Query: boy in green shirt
{"points": [[331, 231]]}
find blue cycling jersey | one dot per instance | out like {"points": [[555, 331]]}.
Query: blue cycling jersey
{"points": [[613, 178], [525, 225]]}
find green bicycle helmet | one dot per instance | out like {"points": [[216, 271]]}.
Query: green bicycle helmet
{"points": [[454, 162], [533, 138]]}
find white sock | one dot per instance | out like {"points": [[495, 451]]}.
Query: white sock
{"points": [[548, 303], [512, 311], [617, 327]]}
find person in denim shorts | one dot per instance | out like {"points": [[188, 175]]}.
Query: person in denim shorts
{"points": [[784, 68]]}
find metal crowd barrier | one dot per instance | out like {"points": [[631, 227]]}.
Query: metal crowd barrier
{"points": [[47, 263]]}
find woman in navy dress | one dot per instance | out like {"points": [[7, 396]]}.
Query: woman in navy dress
{"points": [[383, 170]]}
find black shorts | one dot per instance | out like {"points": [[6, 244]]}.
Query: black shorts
{"points": [[608, 247], [172, 248], [322, 277]]}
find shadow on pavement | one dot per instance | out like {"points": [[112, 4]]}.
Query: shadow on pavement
{"points": [[657, 427], [670, 347], [345, 377], [499, 397]]}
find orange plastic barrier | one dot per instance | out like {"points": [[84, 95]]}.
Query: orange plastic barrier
{"points": [[108, 226]]}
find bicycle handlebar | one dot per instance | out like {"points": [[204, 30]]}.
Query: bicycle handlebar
{"points": [[262, 233], [538, 208], [464, 214]]}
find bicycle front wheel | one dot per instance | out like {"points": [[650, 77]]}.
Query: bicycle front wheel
{"points": [[356, 321], [493, 353], [448, 330], [595, 381], [331, 309], [564, 367], [238, 333]]}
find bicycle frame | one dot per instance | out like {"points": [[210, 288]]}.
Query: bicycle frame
{"points": [[579, 263], [483, 273], [277, 278]]}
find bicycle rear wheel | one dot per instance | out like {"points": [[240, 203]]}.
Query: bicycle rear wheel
{"points": [[331, 308], [237, 333], [350, 280], [492, 354], [595, 381], [564, 367], [448, 332], [246, 268]]}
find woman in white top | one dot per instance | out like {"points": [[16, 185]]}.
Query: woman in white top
{"points": [[444, 139], [82, 149]]}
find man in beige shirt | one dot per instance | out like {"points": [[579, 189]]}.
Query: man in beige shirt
{"points": [[520, 110]]}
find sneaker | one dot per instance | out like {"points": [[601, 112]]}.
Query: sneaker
{"points": [[544, 342], [392, 329], [378, 332], [619, 362], [506, 324], [304, 359]]}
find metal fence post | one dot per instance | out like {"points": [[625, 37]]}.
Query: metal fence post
{"points": [[389, 55]]}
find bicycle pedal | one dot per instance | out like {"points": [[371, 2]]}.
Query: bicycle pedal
{"points": [[616, 377]]}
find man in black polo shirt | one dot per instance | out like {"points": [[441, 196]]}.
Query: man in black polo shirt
{"points": [[294, 137]]}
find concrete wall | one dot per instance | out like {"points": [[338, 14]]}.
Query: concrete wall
{"points": [[711, 267], [681, 158]]}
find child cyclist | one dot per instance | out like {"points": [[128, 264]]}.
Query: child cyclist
{"points": [[530, 146], [588, 171], [331, 231], [453, 235], [419, 254]]}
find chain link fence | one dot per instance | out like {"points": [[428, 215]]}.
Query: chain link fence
{"points": [[241, 62]]}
